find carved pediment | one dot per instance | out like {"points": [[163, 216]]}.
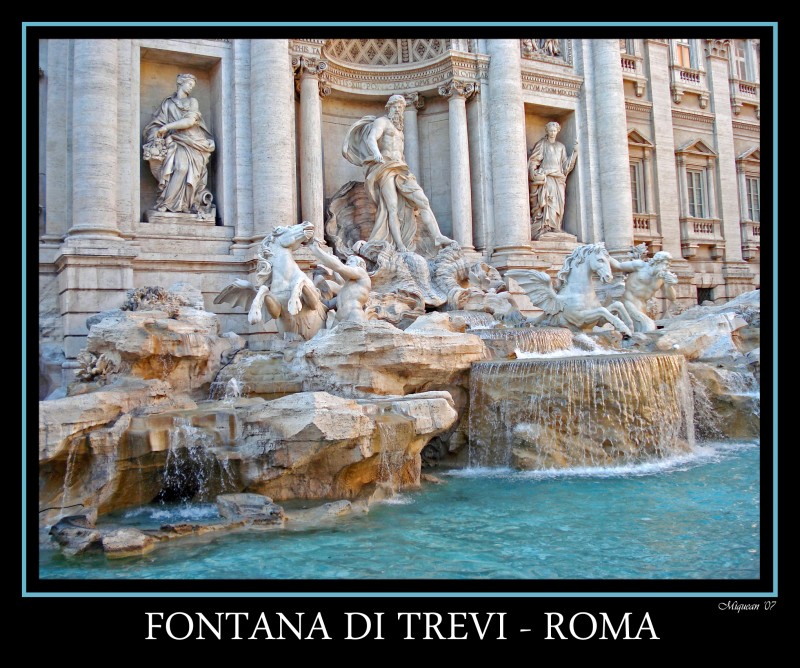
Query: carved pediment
{"points": [[638, 139], [750, 155], [697, 147]]}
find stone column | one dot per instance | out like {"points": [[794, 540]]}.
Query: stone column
{"points": [[683, 186], [743, 212], [665, 182], [312, 196], [414, 102], [647, 173], [243, 144], [95, 264], [480, 173], [612, 146], [719, 83], [512, 242], [94, 138], [460, 187], [712, 188], [273, 143], [58, 156]]}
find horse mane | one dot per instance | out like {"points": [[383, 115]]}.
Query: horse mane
{"points": [[577, 257]]}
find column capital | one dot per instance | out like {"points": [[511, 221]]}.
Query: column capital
{"points": [[717, 48], [458, 88], [414, 100], [308, 67]]}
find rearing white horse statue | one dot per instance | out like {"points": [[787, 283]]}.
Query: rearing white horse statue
{"points": [[281, 286], [575, 304]]}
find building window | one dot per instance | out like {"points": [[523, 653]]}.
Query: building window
{"points": [[744, 60], [705, 295], [754, 199], [637, 192], [627, 46], [696, 187], [684, 53]]}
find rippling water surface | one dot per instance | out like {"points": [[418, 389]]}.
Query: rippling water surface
{"points": [[695, 516]]}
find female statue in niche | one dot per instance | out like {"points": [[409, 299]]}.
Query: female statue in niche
{"points": [[548, 168], [178, 146]]}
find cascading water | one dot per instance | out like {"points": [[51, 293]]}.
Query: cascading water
{"points": [[504, 343], [579, 411], [392, 429], [192, 471]]}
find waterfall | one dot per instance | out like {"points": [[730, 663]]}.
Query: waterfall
{"points": [[579, 411], [505, 342], [392, 429], [192, 471]]}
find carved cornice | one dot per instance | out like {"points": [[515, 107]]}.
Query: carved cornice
{"points": [[747, 127], [717, 48], [456, 87], [417, 77], [414, 100], [644, 107], [546, 82], [696, 117], [309, 47]]}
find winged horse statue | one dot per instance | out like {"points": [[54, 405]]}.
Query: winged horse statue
{"points": [[575, 303], [281, 286]]}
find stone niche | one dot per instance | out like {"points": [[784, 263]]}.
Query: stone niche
{"points": [[536, 117], [341, 110], [157, 80]]}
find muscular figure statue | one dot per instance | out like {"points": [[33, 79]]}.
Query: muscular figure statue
{"points": [[355, 285], [644, 279], [377, 143]]}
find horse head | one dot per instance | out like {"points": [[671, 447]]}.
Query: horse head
{"points": [[600, 262], [593, 257], [290, 236]]}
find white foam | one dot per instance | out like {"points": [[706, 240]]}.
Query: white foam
{"points": [[569, 352], [702, 454], [193, 512]]}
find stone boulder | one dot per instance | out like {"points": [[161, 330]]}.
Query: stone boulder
{"points": [[127, 543], [727, 401], [315, 445], [359, 359], [84, 454], [711, 333], [168, 336], [252, 507], [77, 534]]}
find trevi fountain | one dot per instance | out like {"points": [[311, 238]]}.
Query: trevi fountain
{"points": [[405, 407]]}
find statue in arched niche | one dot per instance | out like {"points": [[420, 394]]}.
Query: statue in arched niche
{"points": [[178, 146]]}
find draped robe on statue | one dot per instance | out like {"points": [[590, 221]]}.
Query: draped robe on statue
{"points": [[356, 151], [183, 174]]}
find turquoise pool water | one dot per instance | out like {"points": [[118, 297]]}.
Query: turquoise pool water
{"points": [[695, 516]]}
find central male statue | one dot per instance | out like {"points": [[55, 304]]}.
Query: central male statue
{"points": [[377, 143]]}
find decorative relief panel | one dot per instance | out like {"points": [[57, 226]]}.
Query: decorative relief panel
{"points": [[548, 50], [383, 52]]}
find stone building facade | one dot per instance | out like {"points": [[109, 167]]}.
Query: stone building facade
{"points": [[668, 133]]}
